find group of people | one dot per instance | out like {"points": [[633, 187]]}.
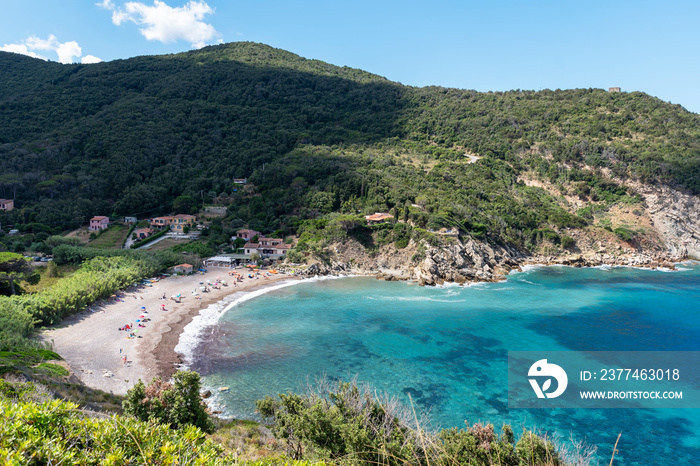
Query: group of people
{"points": [[142, 319]]}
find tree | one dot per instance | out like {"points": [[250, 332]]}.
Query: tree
{"points": [[184, 204], [14, 267], [177, 404]]}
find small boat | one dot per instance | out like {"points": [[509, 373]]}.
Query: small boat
{"points": [[223, 389]]}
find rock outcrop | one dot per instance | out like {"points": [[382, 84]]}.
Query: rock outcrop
{"points": [[669, 219], [460, 262]]}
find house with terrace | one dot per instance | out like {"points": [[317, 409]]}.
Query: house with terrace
{"points": [[182, 221], [270, 248], [161, 222]]}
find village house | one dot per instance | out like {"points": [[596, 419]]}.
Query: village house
{"points": [[143, 233], [377, 217], [247, 234], [268, 247], [129, 220], [182, 221], [269, 241], [250, 248], [98, 223], [161, 222], [282, 249], [240, 180], [183, 268], [7, 204]]}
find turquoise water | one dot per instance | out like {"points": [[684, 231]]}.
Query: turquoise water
{"points": [[447, 347]]}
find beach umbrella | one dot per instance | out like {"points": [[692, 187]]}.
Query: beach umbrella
{"points": [[143, 307]]}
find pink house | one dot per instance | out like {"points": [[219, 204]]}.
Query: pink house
{"points": [[99, 223], [247, 234], [7, 204]]}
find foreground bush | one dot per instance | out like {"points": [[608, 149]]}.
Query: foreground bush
{"points": [[177, 404], [56, 432], [347, 423]]}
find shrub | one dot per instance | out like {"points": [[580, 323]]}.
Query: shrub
{"points": [[479, 445], [567, 242], [347, 423], [344, 421], [177, 404], [624, 233], [57, 432]]}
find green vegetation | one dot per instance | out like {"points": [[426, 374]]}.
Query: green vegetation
{"points": [[97, 279], [112, 237], [152, 135], [57, 432], [13, 268], [177, 404], [337, 424], [347, 423]]}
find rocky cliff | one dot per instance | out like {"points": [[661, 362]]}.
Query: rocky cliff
{"points": [[667, 225]]}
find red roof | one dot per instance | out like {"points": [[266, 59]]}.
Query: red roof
{"points": [[99, 217], [378, 217], [184, 265]]}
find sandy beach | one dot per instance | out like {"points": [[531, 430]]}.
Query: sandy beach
{"points": [[94, 347]]}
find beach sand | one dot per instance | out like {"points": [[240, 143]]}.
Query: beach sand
{"points": [[94, 347]]}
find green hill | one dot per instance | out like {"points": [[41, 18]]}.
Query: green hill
{"points": [[132, 136]]}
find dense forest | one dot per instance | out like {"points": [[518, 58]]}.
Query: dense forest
{"points": [[156, 134]]}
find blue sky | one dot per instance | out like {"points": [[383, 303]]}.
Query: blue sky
{"points": [[485, 45]]}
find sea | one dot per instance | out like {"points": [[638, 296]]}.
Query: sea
{"points": [[445, 348]]}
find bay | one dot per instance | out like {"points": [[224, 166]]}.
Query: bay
{"points": [[447, 347]]}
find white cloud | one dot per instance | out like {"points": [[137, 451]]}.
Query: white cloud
{"points": [[106, 4], [88, 59], [35, 43], [67, 52], [167, 24]]}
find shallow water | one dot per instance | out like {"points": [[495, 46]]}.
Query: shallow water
{"points": [[448, 347]]}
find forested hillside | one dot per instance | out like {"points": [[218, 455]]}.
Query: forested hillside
{"points": [[145, 135]]}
